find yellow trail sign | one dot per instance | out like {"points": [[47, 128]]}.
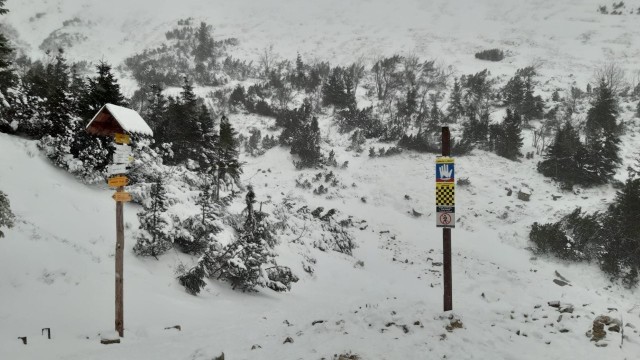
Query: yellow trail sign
{"points": [[122, 138], [118, 181], [121, 196]]}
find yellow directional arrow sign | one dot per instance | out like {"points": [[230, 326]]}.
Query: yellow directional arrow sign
{"points": [[118, 181], [122, 196], [122, 138]]}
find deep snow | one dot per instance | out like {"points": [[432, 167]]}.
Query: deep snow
{"points": [[57, 263]]}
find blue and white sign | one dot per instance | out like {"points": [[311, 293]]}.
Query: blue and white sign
{"points": [[445, 170]]}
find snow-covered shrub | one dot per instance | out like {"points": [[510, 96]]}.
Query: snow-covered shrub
{"points": [[612, 238], [491, 55], [247, 262], [280, 278], [549, 238], [192, 280], [357, 141], [253, 144], [6, 216], [269, 142], [335, 237], [147, 162], [82, 155], [194, 234]]}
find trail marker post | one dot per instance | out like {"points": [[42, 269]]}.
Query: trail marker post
{"points": [[120, 197], [116, 121], [445, 210]]}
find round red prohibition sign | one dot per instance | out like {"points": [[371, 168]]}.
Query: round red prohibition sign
{"points": [[445, 219]]}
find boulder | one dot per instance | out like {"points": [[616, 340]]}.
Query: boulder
{"points": [[524, 194]]}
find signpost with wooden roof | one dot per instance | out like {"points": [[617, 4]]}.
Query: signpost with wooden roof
{"points": [[119, 122]]}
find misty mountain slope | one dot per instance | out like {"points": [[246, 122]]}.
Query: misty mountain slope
{"points": [[568, 37]]}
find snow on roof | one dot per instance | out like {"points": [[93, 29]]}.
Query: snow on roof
{"points": [[128, 119]]}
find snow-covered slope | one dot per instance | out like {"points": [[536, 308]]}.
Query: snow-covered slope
{"points": [[385, 302], [57, 271]]}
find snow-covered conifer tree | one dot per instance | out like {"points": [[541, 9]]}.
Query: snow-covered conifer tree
{"points": [[198, 231], [6, 216], [154, 238]]}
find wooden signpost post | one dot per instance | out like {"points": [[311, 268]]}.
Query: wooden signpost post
{"points": [[120, 197], [113, 120], [445, 210]]}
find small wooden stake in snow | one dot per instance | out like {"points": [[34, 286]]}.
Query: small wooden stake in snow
{"points": [[48, 332], [109, 337], [24, 339], [446, 235]]}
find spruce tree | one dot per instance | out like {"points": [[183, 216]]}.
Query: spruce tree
{"points": [[154, 238], [239, 262], [77, 89], [532, 106], [204, 44], [7, 77], [182, 128], [508, 139], [6, 216], [622, 229], [519, 94], [156, 113], [102, 89], [299, 78], [228, 163], [564, 160], [207, 153], [602, 157], [435, 112], [514, 92], [602, 133], [193, 279], [601, 117], [246, 263], [306, 144], [408, 107], [200, 229], [338, 90], [477, 131], [456, 109], [58, 103]]}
